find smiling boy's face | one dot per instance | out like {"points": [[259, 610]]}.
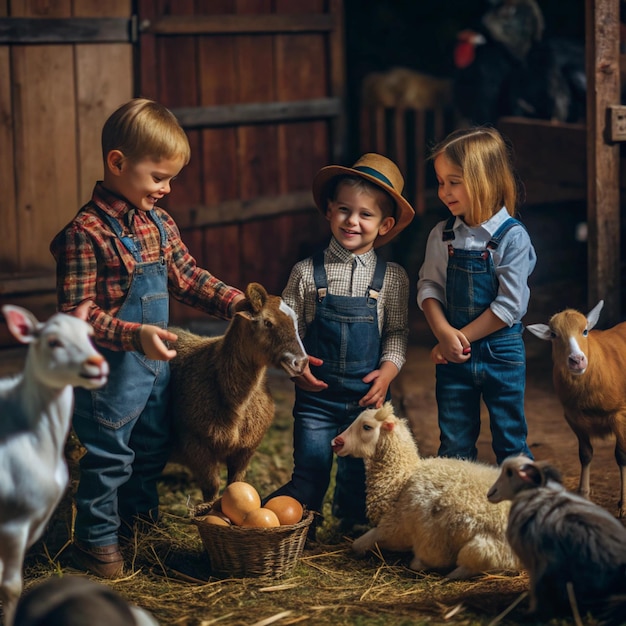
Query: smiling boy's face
{"points": [[356, 219], [143, 183]]}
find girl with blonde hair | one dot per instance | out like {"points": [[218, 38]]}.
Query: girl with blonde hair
{"points": [[473, 289]]}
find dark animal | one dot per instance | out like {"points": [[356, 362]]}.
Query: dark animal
{"points": [[77, 601], [563, 540], [588, 375], [506, 66], [221, 405]]}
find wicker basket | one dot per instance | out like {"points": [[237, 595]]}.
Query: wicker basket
{"points": [[241, 552]]}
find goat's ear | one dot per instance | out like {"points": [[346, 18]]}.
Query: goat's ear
{"points": [[594, 315], [540, 330], [22, 323], [257, 296], [531, 474]]}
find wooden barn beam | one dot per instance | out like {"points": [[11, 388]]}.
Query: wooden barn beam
{"points": [[237, 24], [257, 113], [23, 30], [603, 211]]}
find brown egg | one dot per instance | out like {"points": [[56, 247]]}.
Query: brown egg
{"points": [[238, 499], [217, 519], [261, 518], [287, 509]]}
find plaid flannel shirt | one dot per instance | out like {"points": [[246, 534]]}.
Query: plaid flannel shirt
{"points": [[92, 263]]}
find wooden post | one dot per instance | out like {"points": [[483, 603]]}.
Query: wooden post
{"points": [[603, 211]]}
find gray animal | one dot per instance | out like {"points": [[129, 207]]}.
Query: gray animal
{"points": [[560, 538], [221, 405], [77, 601]]}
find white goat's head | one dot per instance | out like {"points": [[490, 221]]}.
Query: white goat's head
{"points": [[569, 331], [60, 349]]}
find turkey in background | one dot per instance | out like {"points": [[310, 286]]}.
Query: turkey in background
{"points": [[506, 65]]}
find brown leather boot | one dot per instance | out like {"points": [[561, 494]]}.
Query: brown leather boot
{"points": [[103, 561]]}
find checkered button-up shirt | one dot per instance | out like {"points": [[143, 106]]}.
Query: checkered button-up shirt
{"points": [[351, 275], [92, 263]]}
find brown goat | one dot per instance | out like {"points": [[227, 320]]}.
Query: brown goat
{"points": [[589, 375], [221, 405]]}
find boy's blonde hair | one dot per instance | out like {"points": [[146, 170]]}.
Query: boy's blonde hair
{"points": [[142, 128], [485, 161]]}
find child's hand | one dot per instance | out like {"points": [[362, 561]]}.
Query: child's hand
{"points": [[307, 381], [437, 357], [152, 342], [453, 347], [380, 379]]}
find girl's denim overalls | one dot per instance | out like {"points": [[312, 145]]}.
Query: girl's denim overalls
{"points": [[344, 333], [496, 369], [124, 425]]}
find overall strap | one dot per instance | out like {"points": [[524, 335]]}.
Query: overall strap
{"points": [[319, 275], [159, 224], [129, 243], [495, 241], [448, 232], [377, 280]]}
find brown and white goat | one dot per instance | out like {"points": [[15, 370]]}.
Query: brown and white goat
{"points": [[36, 409], [589, 375], [221, 405]]}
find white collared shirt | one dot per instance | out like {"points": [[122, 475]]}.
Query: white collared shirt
{"points": [[514, 260]]}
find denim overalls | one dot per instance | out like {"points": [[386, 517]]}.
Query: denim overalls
{"points": [[496, 369], [124, 425], [344, 333]]}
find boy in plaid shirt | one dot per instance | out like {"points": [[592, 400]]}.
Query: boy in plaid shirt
{"points": [[125, 254]]}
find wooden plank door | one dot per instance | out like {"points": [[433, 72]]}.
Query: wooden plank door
{"points": [[62, 72], [258, 87]]}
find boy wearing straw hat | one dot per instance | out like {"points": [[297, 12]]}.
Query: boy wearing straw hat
{"points": [[352, 310]]}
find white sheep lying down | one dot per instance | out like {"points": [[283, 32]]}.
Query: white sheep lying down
{"points": [[435, 507]]}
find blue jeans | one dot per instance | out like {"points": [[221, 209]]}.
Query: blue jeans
{"points": [[318, 419], [118, 475], [496, 372]]}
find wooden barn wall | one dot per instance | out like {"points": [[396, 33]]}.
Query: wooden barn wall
{"points": [[244, 203], [54, 98], [269, 71]]}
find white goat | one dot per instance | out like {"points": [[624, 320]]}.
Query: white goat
{"points": [[589, 378], [435, 507], [36, 408], [560, 538]]}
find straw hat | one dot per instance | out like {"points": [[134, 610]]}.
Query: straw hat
{"points": [[378, 170]]}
